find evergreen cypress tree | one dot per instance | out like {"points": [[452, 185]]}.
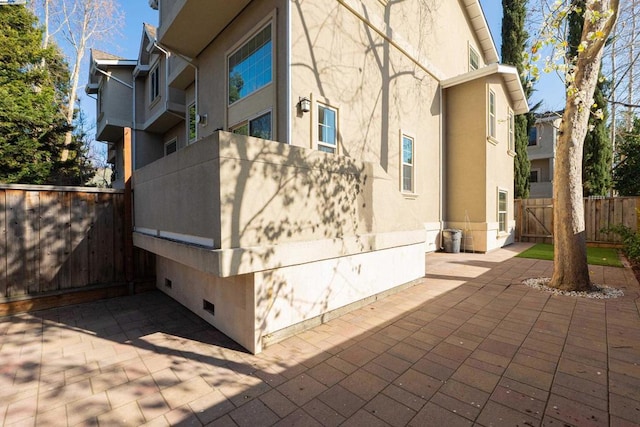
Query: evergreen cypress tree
{"points": [[598, 150], [626, 178], [514, 39], [33, 83]]}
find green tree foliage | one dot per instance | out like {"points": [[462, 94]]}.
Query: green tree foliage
{"points": [[598, 151], [33, 84], [626, 174], [514, 39]]}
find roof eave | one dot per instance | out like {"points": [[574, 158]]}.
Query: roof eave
{"points": [[508, 74]]}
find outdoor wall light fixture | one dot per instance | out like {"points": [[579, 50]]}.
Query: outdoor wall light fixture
{"points": [[305, 104]]}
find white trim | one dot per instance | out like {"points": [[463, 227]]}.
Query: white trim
{"points": [[147, 231], [186, 238]]}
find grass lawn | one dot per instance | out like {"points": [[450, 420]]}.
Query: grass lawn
{"points": [[595, 256]]}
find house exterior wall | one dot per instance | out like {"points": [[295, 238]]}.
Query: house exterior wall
{"points": [[478, 166], [249, 220], [116, 105]]}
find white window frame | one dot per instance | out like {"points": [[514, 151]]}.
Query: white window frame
{"points": [[412, 165], [154, 84], [269, 22], [473, 52], [491, 115], [502, 227], [324, 144], [169, 142], [511, 146], [191, 117]]}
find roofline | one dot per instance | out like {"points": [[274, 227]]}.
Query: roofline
{"points": [[479, 24], [508, 73], [116, 62]]}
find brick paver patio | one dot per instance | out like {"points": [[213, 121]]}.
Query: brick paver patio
{"points": [[468, 345]]}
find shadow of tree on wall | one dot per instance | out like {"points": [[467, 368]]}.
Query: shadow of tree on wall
{"points": [[284, 195]]}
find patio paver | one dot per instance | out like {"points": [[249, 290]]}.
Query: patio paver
{"points": [[467, 345]]}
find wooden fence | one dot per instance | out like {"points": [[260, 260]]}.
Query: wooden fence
{"points": [[534, 219], [62, 239]]}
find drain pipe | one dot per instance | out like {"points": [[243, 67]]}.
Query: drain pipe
{"points": [[442, 158], [190, 63]]}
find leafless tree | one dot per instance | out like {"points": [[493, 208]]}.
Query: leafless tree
{"points": [[78, 25]]}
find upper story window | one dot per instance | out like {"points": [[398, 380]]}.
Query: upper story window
{"points": [[327, 129], [407, 164], [533, 136], [512, 133], [474, 59], [492, 114], [154, 79], [250, 66]]}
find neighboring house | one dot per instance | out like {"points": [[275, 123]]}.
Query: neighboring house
{"points": [[542, 153], [292, 159], [111, 80]]}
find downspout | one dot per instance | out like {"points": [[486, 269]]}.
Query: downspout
{"points": [[189, 62], [289, 64], [442, 159]]}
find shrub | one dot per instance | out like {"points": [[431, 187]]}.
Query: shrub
{"points": [[630, 240]]}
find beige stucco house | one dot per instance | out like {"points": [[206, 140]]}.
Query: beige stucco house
{"points": [[294, 159], [542, 153]]}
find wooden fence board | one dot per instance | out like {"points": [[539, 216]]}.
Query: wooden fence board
{"points": [[31, 239], [56, 240], [3, 244], [534, 218], [52, 239], [82, 207]]}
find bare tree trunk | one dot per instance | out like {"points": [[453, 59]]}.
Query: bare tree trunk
{"points": [[570, 269]]}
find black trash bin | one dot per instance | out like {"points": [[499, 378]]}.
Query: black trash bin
{"points": [[452, 239]]}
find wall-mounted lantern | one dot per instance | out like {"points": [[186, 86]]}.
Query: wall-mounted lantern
{"points": [[305, 104]]}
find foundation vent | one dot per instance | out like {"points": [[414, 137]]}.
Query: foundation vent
{"points": [[168, 283], [209, 307]]}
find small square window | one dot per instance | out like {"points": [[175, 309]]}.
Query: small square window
{"points": [[534, 175]]}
